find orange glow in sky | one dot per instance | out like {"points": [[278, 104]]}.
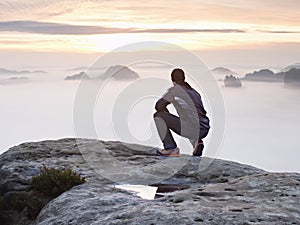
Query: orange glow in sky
{"points": [[88, 27], [192, 24]]}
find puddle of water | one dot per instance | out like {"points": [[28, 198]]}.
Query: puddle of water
{"points": [[143, 191]]}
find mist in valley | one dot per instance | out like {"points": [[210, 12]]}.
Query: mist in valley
{"points": [[262, 119]]}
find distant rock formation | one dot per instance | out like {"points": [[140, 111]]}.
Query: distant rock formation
{"points": [[264, 75], [116, 72], [292, 77], [232, 81], [119, 72], [79, 76], [222, 71], [287, 68], [16, 72], [14, 80], [224, 193], [18, 78]]}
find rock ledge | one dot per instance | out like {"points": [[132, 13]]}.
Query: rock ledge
{"points": [[224, 193]]}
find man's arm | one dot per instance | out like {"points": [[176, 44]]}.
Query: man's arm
{"points": [[162, 103]]}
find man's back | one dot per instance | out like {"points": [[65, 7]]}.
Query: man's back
{"points": [[188, 104]]}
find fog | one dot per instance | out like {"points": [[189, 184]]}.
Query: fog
{"points": [[262, 119]]}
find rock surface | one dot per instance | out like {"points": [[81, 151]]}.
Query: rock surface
{"points": [[224, 193]]}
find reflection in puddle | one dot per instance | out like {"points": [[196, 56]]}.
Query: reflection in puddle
{"points": [[145, 192]]}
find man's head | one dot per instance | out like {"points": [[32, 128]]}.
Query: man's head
{"points": [[177, 76]]}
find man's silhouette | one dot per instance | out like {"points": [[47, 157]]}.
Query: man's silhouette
{"points": [[192, 122]]}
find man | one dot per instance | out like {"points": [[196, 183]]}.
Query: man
{"points": [[192, 122]]}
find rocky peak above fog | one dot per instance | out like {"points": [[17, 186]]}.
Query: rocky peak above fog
{"points": [[117, 72], [222, 71], [292, 77], [80, 76], [287, 68], [120, 72]]}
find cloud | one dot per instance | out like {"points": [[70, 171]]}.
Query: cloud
{"points": [[191, 31], [35, 10], [67, 29], [278, 31], [55, 28]]}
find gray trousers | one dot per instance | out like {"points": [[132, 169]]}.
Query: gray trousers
{"points": [[165, 122]]}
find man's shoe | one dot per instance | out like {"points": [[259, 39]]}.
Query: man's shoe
{"points": [[199, 146], [169, 152]]}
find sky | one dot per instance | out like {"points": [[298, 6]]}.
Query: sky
{"points": [[221, 31]]}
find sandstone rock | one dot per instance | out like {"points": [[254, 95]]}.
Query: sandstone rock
{"points": [[223, 193]]}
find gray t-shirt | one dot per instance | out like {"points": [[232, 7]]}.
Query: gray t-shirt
{"points": [[188, 104]]}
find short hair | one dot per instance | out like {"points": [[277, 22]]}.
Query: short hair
{"points": [[177, 75]]}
